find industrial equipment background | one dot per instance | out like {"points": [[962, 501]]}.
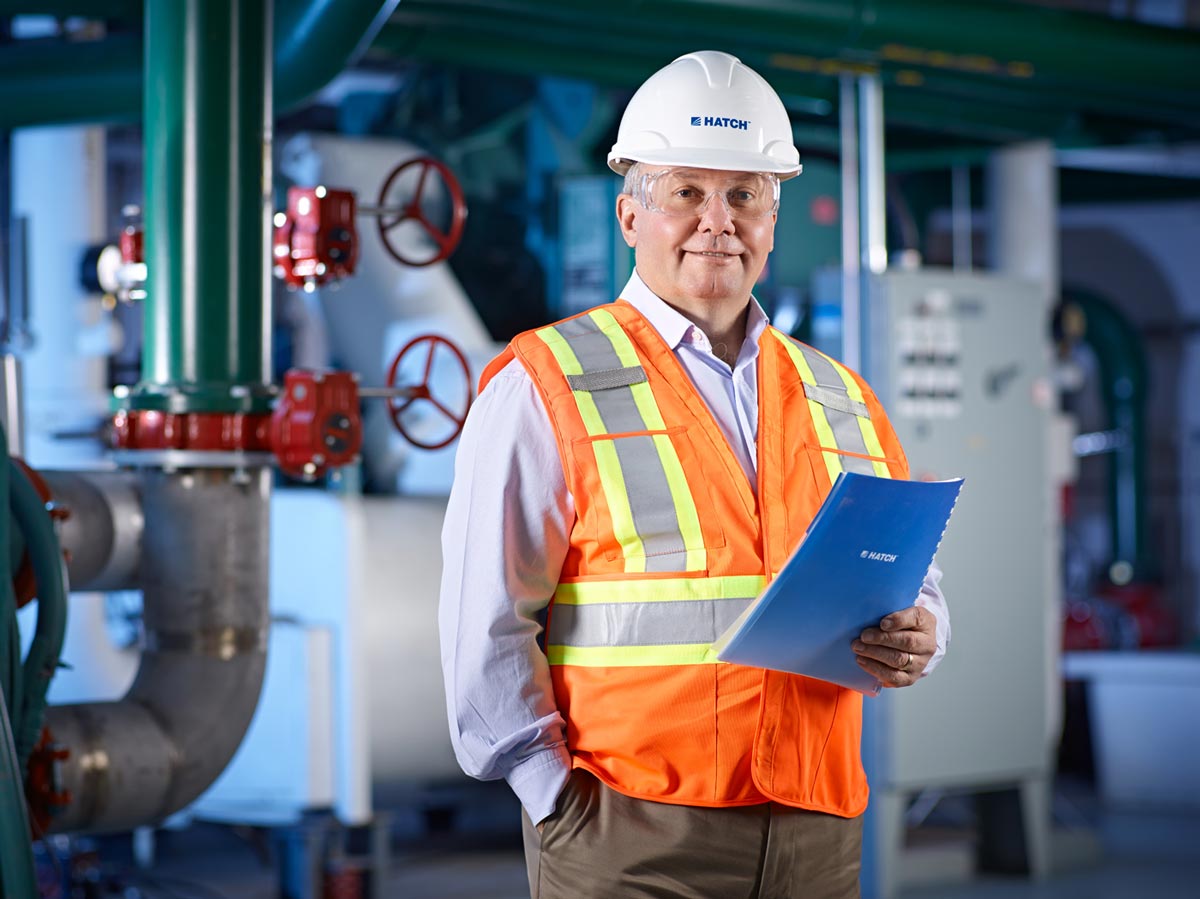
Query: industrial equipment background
{"points": [[401, 398], [445, 238]]}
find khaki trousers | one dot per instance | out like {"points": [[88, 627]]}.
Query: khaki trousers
{"points": [[601, 844]]}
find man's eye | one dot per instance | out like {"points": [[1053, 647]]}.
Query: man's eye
{"points": [[686, 193], [741, 196]]}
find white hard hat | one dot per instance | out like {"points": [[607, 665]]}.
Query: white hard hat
{"points": [[707, 110]]}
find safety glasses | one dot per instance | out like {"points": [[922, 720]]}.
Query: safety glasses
{"points": [[687, 192]]}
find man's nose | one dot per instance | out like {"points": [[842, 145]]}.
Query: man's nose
{"points": [[716, 216]]}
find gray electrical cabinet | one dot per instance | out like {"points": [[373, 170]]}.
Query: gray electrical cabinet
{"points": [[961, 363]]}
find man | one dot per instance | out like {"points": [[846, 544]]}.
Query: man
{"points": [[626, 481]]}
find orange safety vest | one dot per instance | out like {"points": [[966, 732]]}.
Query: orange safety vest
{"points": [[671, 543]]}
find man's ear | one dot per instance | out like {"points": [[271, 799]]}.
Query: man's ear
{"points": [[627, 210]]}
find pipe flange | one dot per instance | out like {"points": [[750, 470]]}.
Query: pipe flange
{"points": [[171, 460]]}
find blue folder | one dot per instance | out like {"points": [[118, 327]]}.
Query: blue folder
{"points": [[864, 556]]}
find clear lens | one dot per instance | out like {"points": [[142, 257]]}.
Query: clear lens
{"points": [[685, 192]]}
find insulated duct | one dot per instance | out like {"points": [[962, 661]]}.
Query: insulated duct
{"points": [[195, 537], [101, 81], [204, 579]]}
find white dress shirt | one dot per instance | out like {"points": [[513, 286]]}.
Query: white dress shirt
{"points": [[505, 538]]}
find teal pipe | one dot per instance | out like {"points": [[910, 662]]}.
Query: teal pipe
{"points": [[208, 206], [45, 650], [17, 877], [1123, 378], [101, 81], [1007, 41], [593, 54]]}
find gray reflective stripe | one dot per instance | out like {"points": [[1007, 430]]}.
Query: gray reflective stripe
{"points": [[833, 399], [607, 379], [651, 503], [609, 384], [857, 465], [643, 623], [839, 411], [591, 346], [595, 353]]}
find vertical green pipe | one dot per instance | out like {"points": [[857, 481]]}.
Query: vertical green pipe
{"points": [[1118, 349], [17, 879], [208, 205]]}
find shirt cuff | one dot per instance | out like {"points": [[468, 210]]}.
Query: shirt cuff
{"points": [[539, 779]]}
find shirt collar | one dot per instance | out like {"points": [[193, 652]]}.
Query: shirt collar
{"points": [[671, 324]]}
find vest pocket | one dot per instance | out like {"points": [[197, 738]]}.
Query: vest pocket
{"points": [[650, 513], [827, 463]]}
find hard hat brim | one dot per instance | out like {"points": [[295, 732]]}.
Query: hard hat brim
{"points": [[702, 158]]}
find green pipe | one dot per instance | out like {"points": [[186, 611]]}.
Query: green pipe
{"points": [[101, 81], [41, 659], [108, 10], [208, 206], [17, 880], [40, 85], [601, 34], [1012, 42], [1118, 350], [574, 54], [17, 877]]}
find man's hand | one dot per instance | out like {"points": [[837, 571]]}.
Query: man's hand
{"points": [[896, 652]]}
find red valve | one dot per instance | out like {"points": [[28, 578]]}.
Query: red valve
{"points": [[43, 785], [421, 391], [315, 240], [24, 581], [446, 241], [316, 424], [132, 244]]}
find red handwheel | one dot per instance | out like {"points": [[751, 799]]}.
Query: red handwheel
{"points": [[409, 394], [446, 241]]}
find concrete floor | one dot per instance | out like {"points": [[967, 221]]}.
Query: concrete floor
{"points": [[1152, 854]]}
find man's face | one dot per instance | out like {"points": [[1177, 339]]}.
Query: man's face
{"points": [[700, 260]]}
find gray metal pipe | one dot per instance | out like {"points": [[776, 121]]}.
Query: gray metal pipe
{"points": [[204, 572], [102, 532]]}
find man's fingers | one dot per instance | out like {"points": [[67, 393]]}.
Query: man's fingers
{"points": [[912, 618], [913, 641], [887, 675], [893, 658]]}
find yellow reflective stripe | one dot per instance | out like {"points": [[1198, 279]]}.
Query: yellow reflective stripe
{"points": [[865, 425], [685, 504], [643, 395], [833, 463], [562, 351], [647, 406], [616, 335], [660, 589], [569, 363], [874, 448], [632, 656], [612, 480], [797, 358], [852, 389]]}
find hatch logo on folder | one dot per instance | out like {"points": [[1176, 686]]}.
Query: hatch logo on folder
{"points": [[878, 557], [835, 585]]}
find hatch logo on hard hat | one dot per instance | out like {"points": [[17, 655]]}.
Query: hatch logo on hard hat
{"points": [[710, 121]]}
